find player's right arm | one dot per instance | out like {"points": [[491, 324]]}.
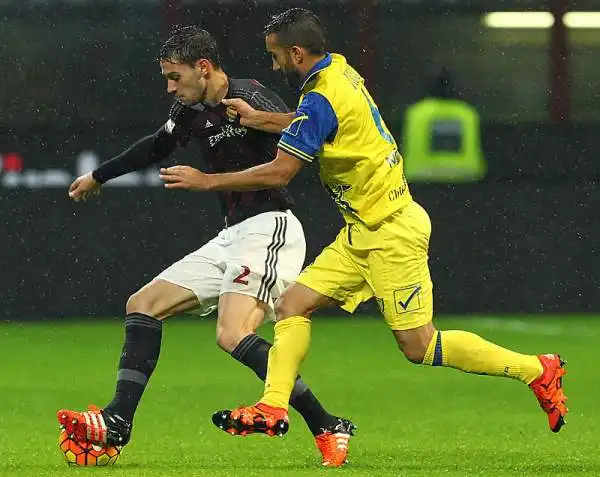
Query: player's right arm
{"points": [[144, 153], [271, 122]]}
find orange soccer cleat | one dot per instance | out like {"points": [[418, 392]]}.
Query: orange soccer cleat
{"points": [[94, 426], [260, 418], [549, 391], [333, 443]]}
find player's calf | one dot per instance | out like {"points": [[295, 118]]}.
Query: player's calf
{"points": [[414, 342]]}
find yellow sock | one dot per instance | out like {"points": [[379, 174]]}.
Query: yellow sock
{"points": [[290, 345], [472, 354]]}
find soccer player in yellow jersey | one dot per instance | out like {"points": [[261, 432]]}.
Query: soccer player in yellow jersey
{"points": [[381, 252]]}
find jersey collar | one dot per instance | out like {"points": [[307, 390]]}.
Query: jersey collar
{"points": [[320, 66]]}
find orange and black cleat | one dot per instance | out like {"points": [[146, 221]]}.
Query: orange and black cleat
{"points": [[333, 442], [261, 418], [95, 426], [549, 391]]}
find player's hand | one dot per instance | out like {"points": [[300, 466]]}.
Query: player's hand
{"points": [[185, 177], [83, 187], [238, 107]]}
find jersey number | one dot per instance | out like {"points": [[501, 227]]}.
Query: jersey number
{"points": [[377, 119], [240, 278]]}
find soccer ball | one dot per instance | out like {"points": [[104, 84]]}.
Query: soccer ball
{"points": [[85, 454]]}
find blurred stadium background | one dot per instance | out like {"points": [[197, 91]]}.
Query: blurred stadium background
{"points": [[80, 83]]}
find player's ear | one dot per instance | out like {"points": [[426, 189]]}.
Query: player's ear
{"points": [[203, 66], [297, 54]]}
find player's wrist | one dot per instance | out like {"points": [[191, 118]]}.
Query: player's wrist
{"points": [[98, 177], [211, 182], [254, 119]]}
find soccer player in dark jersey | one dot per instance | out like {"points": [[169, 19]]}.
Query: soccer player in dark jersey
{"points": [[242, 270]]}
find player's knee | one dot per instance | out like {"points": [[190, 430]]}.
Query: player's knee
{"points": [[279, 309], [134, 303], [142, 302], [285, 308], [228, 337]]}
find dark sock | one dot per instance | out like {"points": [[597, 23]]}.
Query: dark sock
{"points": [[138, 359], [253, 352]]}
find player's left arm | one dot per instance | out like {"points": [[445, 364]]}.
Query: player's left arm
{"points": [[315, 123]]}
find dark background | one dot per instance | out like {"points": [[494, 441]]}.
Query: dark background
{"points": [[82, 77]]}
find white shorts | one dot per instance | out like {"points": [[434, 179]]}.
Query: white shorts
{"points": [[258, 257]]}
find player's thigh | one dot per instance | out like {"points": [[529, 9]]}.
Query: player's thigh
{"points": [[334, 277], [198, 277], [399, 270], [238, 316], [267, 253], [161, 299]]}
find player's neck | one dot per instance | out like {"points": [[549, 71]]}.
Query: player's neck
{"points": [[310, 64], [217, 88]]}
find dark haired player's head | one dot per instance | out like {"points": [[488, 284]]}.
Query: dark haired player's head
{"points": [[190, 62], [296, 41]]}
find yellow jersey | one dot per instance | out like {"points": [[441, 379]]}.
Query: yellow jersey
{"points": [[338, 123]]}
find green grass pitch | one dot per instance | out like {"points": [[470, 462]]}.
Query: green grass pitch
{"points": [[414, 421]]}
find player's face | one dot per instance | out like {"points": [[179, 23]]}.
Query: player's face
{"points": [[188, 83], [285, 60]]}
